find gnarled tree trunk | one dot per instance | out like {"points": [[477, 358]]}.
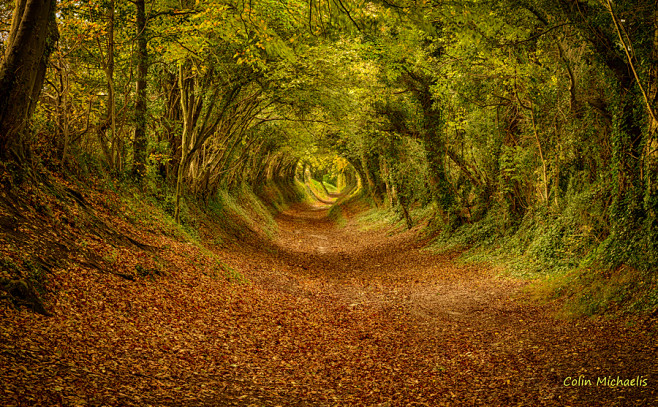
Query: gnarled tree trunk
{"points": [[31, 40]]}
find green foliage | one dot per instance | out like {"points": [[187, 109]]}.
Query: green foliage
{"points": [[516, 124], [595, 291], [481, 236], [221, 270]]}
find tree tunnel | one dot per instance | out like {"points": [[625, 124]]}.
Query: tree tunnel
{"points": [[482, 111]]}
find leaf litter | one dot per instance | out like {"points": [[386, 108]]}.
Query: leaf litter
{"points": [[322, 316]]}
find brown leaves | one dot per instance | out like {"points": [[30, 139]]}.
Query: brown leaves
{"points": [[372, 321]]}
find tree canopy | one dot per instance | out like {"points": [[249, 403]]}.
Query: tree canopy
{"points": [[502, 115]]}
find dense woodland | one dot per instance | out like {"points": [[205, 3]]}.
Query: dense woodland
{"points": [[506, 116], [181, 183]]}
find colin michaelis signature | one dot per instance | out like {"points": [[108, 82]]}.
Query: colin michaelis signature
{"points": [[605, 381]]}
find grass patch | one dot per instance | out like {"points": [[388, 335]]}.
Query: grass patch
{"points": [[346, 205], [377, 218], [319, 191], [337, 216], [221, 270], [239, 210], [590, 291], [542, 243], [235, 277], [420, 213], [278, 197], [331, 187], [557, 251]]}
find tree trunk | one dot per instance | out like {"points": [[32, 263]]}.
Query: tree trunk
{"points": [[111, 97], [187, 110], [370, 179], [651, 148], [31, 41], [436, 153], [140, 142]]}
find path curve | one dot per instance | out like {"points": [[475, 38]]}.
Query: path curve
{"points": [[475, 339], [317, 315]]}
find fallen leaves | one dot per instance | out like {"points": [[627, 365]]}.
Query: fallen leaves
{"points": [[331, 328]]}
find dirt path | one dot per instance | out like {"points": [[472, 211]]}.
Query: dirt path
{"points": [[462, 335], [319, 316]]}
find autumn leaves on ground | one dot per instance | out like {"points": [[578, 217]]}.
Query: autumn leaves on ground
{"points": [[317, 314]]}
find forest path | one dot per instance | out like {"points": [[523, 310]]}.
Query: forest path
{"points": [[317, 315], [469, 337], [377, 267]]}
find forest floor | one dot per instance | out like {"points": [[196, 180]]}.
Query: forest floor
{"points": [[320, 315]]}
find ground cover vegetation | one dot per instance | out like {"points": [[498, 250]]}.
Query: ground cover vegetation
{"points": [[142, 137]]}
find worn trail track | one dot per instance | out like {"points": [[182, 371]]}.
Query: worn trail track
{"points": [[469, 337], [330, 316]]}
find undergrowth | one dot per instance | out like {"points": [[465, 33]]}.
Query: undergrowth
{"points": [[278, 197], [597, 291], [351, 201], [313, 188], [378, 218], [563, 251]]}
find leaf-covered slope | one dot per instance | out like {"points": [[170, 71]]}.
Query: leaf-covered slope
{"points": [[318, 316]]}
